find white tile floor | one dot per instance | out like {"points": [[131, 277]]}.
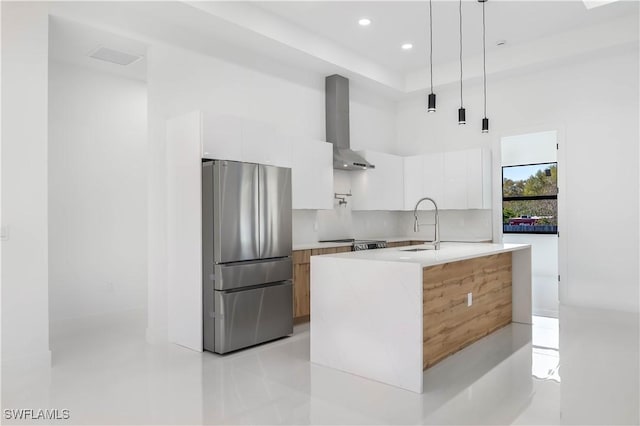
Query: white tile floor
{"points": [[585, 373]]}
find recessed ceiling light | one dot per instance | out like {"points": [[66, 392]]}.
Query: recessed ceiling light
{"points": [[364, 22], [407, 46]]}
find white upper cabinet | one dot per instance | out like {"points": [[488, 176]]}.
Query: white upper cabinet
{"points": [[312, 175], [433, 180], [222, 137], [413, 180], [423, 177], [227, 137], [479, 179], [380, 188], [264, 144], [457, 180], [467, 179]]}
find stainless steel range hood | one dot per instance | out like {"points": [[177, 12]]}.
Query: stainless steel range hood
{"points": [[337, 123]]}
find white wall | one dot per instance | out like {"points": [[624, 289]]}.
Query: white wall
{"points": [[594, 103], [97, 193], [25, 328], [289, 99]]}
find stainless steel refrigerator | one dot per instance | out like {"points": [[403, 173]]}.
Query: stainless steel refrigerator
{"points": [[246, 251]]}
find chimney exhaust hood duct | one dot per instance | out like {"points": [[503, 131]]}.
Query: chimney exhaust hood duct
{"points": [[337, 122]]}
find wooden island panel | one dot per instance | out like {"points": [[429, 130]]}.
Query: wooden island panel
{"points": [[449, 324]]}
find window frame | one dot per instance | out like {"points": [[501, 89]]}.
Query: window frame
{"points": [[529, 198]]}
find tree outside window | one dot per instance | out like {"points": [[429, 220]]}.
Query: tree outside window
{"points": [[530, 198]]}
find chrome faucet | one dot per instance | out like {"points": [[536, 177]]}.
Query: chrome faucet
{"points": [[416, 225]]}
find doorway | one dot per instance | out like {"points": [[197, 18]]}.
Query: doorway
{"points": [[530, 209]]}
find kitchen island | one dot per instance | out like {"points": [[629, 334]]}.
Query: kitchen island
{"points": [[389, 314]]}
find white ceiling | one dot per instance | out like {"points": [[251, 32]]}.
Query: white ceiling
{"points": [[71, 42], [323, 37], [397, 22]]}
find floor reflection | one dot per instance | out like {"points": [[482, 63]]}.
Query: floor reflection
{"points": [[545, 349], [580, 369]]}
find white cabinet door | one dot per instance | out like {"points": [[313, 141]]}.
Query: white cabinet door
{"points": [[227, 137], [312, 174], [381, 188], [455, 180], [423, 177], [433, 180], [479, 179], [413, 180], [222, 137], [263, 143], [467, 179]]}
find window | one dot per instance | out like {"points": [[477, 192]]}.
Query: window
{"points": [[530, 199]]}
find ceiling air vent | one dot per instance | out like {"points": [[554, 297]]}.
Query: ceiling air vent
{"points": [[114, 56]]}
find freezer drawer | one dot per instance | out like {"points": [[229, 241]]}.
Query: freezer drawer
{"points": [[248, 317], [245, 274]]}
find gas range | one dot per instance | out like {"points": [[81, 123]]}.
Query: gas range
{"points": [[357, 245]]}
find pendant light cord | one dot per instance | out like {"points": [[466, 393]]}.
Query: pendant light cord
{"points": [[484, 60], [460, 9], [430, 46]]}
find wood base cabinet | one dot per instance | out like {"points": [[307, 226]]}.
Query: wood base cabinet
{"points": [[302, 282], [404, 243]]}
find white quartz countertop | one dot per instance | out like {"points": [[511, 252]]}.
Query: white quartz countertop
{"points": [[449, 252], [419, 238], [394, 239]]}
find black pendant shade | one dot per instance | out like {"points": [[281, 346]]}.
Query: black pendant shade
{"points": [[431, 101], [462, 116], [462, 113], [485, 125], [431, 104], [485, 120]]}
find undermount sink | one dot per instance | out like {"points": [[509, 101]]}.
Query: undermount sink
{"points": [[416, 249]]}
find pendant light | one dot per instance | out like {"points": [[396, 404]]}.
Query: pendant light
{"points": [[431, 101], [485, 120], [462, 113]]}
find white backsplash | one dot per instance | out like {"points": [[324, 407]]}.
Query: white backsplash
{"points": [[455, 225], [341, 222], [305, 226]]}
